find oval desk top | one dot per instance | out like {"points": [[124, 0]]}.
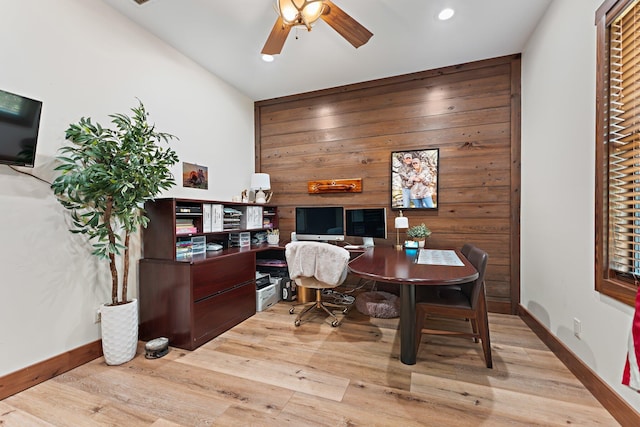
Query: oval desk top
{"points": [[387, 264]]}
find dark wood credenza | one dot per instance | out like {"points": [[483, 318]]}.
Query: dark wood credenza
{"points": [[192, 299]]}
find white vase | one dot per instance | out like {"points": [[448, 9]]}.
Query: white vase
{"points": [[119, 332], [421, 243], [273, 239]]}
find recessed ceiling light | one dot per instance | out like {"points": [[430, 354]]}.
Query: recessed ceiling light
{"points": [[267, 58], [446, 14]]}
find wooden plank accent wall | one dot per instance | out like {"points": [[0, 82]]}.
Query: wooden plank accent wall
{"points": [[471, 112]]}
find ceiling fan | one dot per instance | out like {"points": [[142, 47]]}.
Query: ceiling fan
{"points": [[304, 13]]}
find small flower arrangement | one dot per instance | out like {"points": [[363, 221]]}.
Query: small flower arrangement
{"points": [[419, 231]]}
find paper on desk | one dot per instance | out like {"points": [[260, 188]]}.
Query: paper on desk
{"points": [[439, 257]]}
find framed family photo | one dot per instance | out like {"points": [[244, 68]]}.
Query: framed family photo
{"points": [[414, 179]]}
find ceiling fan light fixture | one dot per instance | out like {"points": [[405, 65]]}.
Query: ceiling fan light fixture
{"points": [[267, 57], [295, 13], [300, 12]]}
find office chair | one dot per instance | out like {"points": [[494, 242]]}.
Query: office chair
{"points": [[466, 248], [318, 266], [465, 301]]}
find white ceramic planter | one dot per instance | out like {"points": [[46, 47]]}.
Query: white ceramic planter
{"points": [[119, 332]]}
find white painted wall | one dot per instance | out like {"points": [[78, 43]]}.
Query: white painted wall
{"points": [[558, 181], [82, 58]]}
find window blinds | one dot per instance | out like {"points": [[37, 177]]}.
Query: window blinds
{"points": [[624, 141]]}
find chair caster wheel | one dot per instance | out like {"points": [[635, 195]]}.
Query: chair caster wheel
{"points": [[291, 310], [335, 323], [296, 323]]}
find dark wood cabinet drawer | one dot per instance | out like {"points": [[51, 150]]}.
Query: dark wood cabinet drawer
{"points": [[214, 315], [210, 278]]}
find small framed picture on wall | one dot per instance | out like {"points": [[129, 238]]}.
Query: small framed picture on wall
{"points": [[195, 176], [414, 179]]}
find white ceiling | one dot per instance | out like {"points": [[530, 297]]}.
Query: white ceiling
{"points": [[226, 37]]}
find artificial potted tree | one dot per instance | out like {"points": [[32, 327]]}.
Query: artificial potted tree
{"points": [[419, 233], [106, 176]]}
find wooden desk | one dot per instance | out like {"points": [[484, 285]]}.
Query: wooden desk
{"points": [[386, 264]]}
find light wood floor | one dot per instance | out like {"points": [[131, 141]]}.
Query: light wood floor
{"points": [[266, 372]]}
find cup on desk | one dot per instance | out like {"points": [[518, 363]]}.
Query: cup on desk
{"points": [[273, 239]]}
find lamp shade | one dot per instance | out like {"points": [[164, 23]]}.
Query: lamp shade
{"points": [[297, 12], [260, 181], [402, 222]]}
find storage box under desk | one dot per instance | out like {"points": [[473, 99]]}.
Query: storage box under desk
{"points": [[266, 297]]}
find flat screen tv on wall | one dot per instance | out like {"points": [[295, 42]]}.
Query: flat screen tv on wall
{"points": [[19, 125]]}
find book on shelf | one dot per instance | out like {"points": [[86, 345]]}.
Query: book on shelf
{"points": [[206, 218], [188, 209], [252, 219], [212, 218], [183, 249], [185, 226], [186, 230]]}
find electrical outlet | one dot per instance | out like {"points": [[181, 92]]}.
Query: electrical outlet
{"points": [[96, 315], [577, 327]]}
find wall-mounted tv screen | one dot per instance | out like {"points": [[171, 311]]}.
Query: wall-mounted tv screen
{"points": [[368, 223], [19, 125], [317, 223]]}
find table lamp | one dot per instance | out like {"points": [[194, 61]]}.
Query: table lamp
{"points": [[260, 182], [402, 222]]}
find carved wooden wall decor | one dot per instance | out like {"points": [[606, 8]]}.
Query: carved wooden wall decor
{"points": [[353, 185]]}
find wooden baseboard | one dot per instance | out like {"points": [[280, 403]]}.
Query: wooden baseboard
{"points": [[624, 413], [18, 381], [501, 307]]}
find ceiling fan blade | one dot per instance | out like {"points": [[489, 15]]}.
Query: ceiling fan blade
{"points": [[346, 26], [276, 39]]}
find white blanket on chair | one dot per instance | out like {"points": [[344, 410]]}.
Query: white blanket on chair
{"points": [[324, 261]]}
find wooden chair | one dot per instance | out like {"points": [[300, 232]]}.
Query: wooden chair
{"points": [[466, 248], [466, 301]]}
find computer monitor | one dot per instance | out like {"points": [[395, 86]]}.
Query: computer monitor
{"points": [[367, 223], [321, 224]]}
